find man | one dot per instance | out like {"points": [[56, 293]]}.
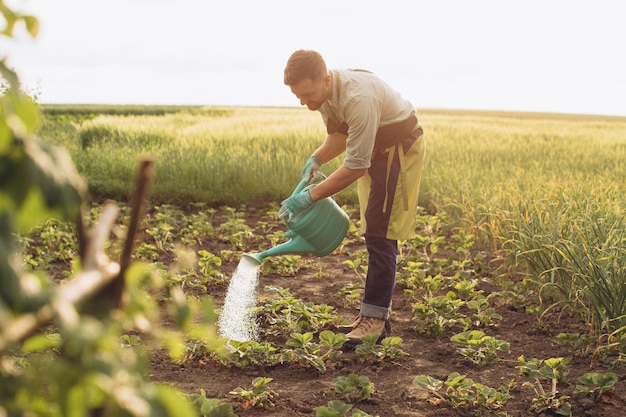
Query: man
{"points": [[384, 149]]}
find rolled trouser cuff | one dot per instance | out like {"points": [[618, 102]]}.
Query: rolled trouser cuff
{"points": [[369, 310]]}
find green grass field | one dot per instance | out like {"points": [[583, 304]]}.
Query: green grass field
{"points": [[546, 189]]}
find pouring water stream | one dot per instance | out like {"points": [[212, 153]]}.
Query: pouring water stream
{"points": [[318, 231]]}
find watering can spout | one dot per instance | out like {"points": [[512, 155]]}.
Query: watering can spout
{"points": [[297, 244], [253, 258]]}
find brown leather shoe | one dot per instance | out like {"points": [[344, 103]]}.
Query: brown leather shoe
{"points": [[367, 326], [346, 328]]}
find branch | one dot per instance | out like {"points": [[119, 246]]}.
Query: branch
{"points": [[97, 273]]}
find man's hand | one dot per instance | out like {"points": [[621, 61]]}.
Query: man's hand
{"points": [[295, 204], [310, 172]]}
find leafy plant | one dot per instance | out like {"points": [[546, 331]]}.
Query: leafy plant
{"points": [[580, 343], [479, 348], [259, 395], [83, 369], [234, 229], [466, 289], [305, 352], [332, 342], [318, 355], [206, 262], [553, 370], [336, 408], [352, 293], [353, 388], [285, 265], [370, 351], [436, 314], [210, 407], [249, 353], [198, 227], [462, 391], [287, 313], [484, 315], [596, 385]]}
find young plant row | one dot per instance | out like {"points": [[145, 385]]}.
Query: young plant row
{"points": [[438, 271]]}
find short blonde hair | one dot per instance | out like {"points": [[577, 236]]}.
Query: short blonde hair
{"points": [[305, 64]]}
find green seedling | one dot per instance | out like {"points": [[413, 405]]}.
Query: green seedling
{"points": [[58, 241], [336, 408], [466, 289], [234, 230], [206, 262], [289, 314], [259, 395], [484, 315], [147, 252], [358, 266], [464, 392], [321, 273], [553, 370], [352, 293], [305, 352], [210, 407], [332, 342], [370, 351], [580, 343], [479, 348], [198, 228], [439, 313], [251, 353], [162, 235], [596, 385], [353, 388], [285, 265], [200, 274], [428, 286]]}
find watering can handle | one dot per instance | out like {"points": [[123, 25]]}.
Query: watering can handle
{"points": [[299, 187], [303, 183]]}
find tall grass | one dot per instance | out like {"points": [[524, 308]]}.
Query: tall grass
{"points": [[546, 189], [244, 155], [550, 192]]}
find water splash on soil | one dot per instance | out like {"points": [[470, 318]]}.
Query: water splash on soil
{"points": [[238, 321]]}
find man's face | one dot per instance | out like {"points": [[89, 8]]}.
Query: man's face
{"points": [[312, 93]]}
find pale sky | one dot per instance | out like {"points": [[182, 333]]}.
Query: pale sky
{"points": [[566, 56]]}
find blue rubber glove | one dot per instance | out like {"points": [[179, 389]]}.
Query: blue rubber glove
{"points": [[310, 172], [292, 206]]}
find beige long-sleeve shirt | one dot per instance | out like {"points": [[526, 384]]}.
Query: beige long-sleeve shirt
{"points": [[363, 102]]}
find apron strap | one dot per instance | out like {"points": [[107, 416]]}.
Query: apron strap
{"points": [[402, 188]]}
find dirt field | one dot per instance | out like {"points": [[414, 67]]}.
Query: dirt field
{"points": [[299, 390]]}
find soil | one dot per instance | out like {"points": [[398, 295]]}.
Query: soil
{"points": [[299, 390]]}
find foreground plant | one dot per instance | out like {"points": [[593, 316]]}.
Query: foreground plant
{"points": [[305, 352], [479, 348], [337, 408], [439, 313], [60, 350], [210, 407], [259, 395], [353, 388], [462, 391], [553, 370], [285, 313], [599, 386], [370, 351]]}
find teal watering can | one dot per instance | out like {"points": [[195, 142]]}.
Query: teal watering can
{"points": [[319, 230]]}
